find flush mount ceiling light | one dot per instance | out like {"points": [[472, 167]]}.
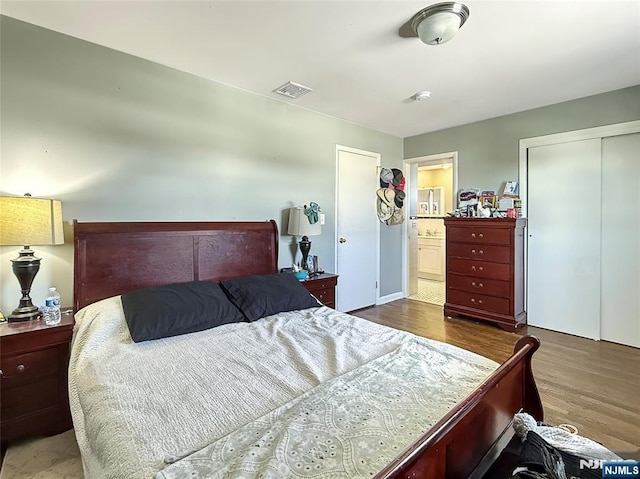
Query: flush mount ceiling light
{"points": [[440, 22], [422, 95]]}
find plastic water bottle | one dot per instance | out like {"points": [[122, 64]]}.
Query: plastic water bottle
{"points": [[52, 307]]}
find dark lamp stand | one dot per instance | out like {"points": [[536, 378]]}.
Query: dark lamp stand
{"points": [[305, 247], [299, 225], [25, 267]]}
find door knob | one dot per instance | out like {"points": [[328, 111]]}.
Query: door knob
{"points": [[342, 240]]}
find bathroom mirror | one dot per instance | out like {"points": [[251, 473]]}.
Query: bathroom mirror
{"points": [[430, 201]]}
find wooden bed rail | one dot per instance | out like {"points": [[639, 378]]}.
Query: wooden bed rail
{"points": [[465, 441]]}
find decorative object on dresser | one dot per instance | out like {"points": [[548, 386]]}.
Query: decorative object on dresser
{"points": [[34, 360], [299, 225], [485, 270], [27, 221], [323, 287]]}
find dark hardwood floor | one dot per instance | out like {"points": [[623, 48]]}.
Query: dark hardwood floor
{"points": [[594, 385]]}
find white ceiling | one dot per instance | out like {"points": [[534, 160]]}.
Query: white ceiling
{"points": [[510, 56]]}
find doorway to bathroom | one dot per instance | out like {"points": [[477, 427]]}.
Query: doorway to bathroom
{"points": [[432, 185]]}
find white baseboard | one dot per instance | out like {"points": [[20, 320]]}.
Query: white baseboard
{"points": [[390, 297]]}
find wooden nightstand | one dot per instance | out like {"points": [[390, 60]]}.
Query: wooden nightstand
{"points": [[34, 361], [323, 287]]}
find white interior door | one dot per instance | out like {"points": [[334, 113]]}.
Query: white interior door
{"points": [[358, 230], [563, 254], [620, 319]]}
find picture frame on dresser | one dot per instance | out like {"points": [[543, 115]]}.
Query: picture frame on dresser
{"points": [[488, 201]]}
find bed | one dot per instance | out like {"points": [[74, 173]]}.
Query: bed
{"points": [[126, 426]]}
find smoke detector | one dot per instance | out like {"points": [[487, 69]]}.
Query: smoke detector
{"points": [[422, 95], [292, 90]]}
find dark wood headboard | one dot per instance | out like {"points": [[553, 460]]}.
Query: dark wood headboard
{"points": [[113, 258]]}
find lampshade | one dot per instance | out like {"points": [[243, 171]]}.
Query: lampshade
{"points": [[27, 221], [439, 23], [299, 223]]}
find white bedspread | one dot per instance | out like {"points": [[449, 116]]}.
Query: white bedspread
{"points": [[135, 405]]}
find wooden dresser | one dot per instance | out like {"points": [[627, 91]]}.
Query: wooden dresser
{"points": [[34, 363], [323, 287], [485, 270]]}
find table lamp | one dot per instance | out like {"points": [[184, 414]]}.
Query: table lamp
{"points": [[27, 221], [299, 226]]}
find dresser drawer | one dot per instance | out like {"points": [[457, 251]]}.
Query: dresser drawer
{"points": [[29, 398], [472, 284], [326, 296], [27, 367], [480, 269], [479, 235], [483, 302], [320, 284], [497, 254]]}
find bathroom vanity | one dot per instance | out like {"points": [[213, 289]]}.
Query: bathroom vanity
{"points": [[431, 257]]}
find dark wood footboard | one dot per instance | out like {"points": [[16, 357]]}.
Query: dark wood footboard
{"points": [[469, 438]]}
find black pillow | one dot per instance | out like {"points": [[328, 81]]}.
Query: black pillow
{"points": [[173, 309], [263, 295]]}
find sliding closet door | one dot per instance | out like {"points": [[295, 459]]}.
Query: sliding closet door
{"points": [[620, 321], [563, 254]]}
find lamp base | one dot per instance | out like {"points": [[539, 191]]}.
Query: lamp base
{"points": [[25, 267], [24, 314], [305, 247]]}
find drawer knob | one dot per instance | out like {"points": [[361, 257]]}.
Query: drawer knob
{"points": [[473, 283], [473, 235], [473, 300], [19, 369], [479, 268], [481, 235]]}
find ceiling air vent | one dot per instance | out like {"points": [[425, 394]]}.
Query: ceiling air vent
{"points": [[292, 90]]}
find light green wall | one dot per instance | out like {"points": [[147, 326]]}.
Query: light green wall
{"points": [[118, 138], [488, 150]]}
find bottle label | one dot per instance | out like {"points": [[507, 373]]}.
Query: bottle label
{"points": [[51, 302]]}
